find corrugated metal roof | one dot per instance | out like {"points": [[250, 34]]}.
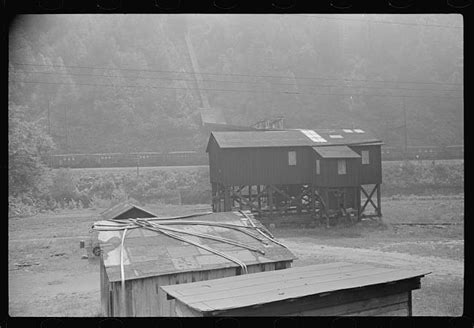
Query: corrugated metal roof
{"points": [[291, 138], [122, 208], [336, 152], [148, 253], [272, 286]]}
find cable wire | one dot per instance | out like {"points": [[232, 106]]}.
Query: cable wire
{"points": [[234, 90], [238, 82], [229, 74]]}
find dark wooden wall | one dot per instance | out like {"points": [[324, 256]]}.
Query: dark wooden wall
{"points": [[370, 173], [264, 166], [144, 297], [329, 176], [269, 166]]}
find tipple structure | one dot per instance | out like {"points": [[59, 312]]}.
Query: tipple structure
{"points": [[323, 171]]}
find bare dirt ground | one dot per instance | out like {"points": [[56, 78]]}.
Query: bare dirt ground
{"points": [[47, 276]]}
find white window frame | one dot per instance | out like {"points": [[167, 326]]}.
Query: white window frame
{"points": [[318, 167], [292, 158], [341, 167], [365, 157]]}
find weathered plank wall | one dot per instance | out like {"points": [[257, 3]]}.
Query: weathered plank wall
{"points": [[145, 298]]}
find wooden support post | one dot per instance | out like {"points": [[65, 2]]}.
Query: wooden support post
{"points": [[379, 202], [258, 198], [270, 199], [250, 195], [227, 203], [313, 200], [221, 192], [358, 202], [299, 200], [410, 304], [213, 197]]}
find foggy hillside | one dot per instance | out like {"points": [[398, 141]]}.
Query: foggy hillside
{"points": [[118, 83]]}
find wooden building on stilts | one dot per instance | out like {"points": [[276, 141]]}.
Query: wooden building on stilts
{"points": [[322, 172]]}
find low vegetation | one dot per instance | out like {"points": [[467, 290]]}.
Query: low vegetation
{"points": [[76, 189]]}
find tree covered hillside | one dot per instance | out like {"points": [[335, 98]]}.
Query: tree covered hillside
{"points": [[118, 83]]}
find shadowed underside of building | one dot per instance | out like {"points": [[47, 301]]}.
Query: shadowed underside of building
{"points": [[323, 171]]}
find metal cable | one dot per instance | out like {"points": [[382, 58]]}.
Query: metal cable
{"points": [[129, 224], [260, 231]]}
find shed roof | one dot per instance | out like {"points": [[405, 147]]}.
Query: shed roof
{"points": [[293, 138], [148, 253], [271, 286], [336, 152], [126, 210]]}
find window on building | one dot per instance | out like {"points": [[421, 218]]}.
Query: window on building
{"points": [[318, 167], [341, 166], [292, 158], [365, 157]]}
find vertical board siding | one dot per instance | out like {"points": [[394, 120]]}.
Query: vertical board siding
{"points": [[329, 176], [251, 166], [214, 163], [269, 165], [104, 289], [370, 173]]}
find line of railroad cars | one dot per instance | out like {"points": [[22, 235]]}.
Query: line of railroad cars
{"points": [[419, 152], [185, 158], [177, 158]]}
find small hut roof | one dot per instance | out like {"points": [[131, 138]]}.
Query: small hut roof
{"points": [[273, 286], [124, 211], [336, 152], [149, 253]]}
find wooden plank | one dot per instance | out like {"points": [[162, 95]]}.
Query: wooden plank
{"points": [[389, 310], [104, 289], [358, 307], [182, 310], [313, 302], [294, 291], [379, 201], [164, 304], [276, 278], [273, 280], [273, 289], [410, 304], [275, 275]]}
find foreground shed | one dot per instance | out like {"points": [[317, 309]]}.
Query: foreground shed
{"points": [[152, 260], [332, 289]]}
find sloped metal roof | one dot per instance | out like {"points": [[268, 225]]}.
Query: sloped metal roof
{"points": [[121, 209], [148, 253], [293, 138], [336, 152]]}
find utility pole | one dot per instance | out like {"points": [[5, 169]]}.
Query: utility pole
{"points": [[65, 124], [405, 125], [49, 118], [49, 131]]}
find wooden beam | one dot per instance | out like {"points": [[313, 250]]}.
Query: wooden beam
{"points": [[227, 204], [410, 304], [270, 200], [258, 197], [379, 201], [369, 198]]}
